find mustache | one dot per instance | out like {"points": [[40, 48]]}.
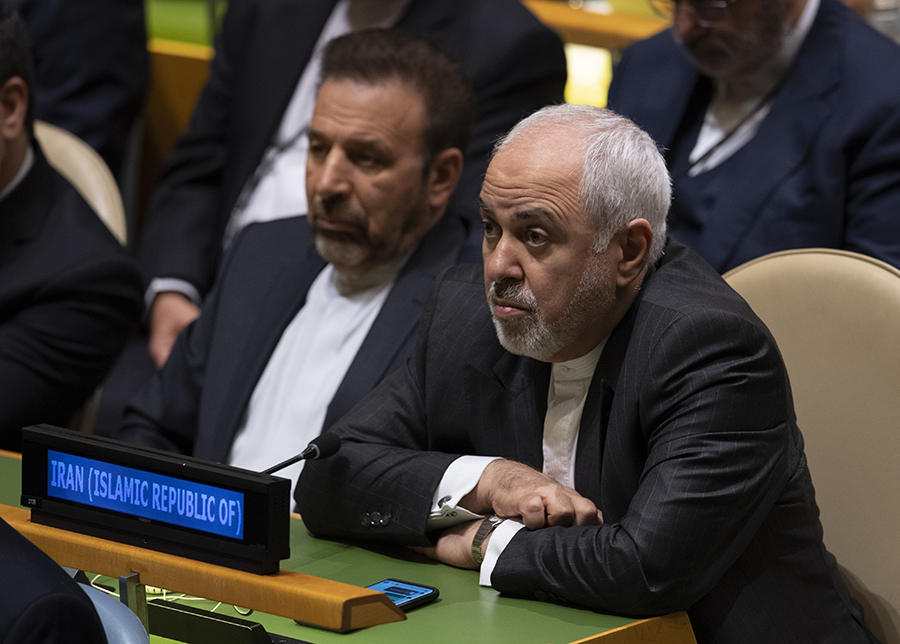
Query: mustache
{"points": [[514, 293], [335, 209]]}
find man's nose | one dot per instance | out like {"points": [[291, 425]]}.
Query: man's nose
{"points": [[334, 175], [502, 261], [685, 21]]}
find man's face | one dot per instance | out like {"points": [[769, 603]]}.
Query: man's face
{"points": [[368, 194], [549, 292], [749, 34]]}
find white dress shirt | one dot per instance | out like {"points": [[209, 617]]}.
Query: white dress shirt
{"points": [[288, 405], [569, 384]]}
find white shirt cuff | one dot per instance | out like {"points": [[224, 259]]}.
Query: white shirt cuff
{"points": [[161, 284], [459, 479], [499, 539]]}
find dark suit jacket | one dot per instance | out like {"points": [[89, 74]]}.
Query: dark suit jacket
{"points": [[90, 63], [197, 402], [823, 169], [687, 443], [40, 603], [517, 66], [70, 296]]}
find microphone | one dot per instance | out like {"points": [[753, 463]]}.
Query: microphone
{"points": [[321, 446]]}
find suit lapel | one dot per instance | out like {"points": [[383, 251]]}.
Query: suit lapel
{"points": [[388, 342], [512, 403], [673, 86], [592, 433], [24, 211], [285, 296]]}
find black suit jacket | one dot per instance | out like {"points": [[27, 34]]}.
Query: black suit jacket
{"points": [[517, 66], [70, 296], [40, 603], [91, 72], [198, 400], [822, 171], [688, 445]]}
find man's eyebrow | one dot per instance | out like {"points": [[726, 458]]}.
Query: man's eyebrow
{"points": [[522, 215], [536, 213]]}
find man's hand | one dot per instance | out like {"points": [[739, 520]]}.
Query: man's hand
{"points": [[454, 546], [170, 313], [515, 491]]}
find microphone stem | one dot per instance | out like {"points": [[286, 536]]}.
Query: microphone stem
{"points": [[282, 465]]}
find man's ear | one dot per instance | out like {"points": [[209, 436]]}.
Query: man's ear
{"points": [[634, 241], [13, 107], [443, 176]]}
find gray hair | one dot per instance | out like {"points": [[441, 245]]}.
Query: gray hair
{"points": [[624, 175]]}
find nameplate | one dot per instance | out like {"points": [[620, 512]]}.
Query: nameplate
{"points": [[175, 504]]}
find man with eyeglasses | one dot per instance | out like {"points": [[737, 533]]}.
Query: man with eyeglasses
{"points": [[780, 121]]}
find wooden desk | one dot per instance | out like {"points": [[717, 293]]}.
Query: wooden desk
{"points": [[465, 611]]}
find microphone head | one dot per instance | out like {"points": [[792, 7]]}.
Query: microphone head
{"points": [[325, 445]]}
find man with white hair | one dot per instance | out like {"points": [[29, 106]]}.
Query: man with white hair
{"points": [[613, 430]]}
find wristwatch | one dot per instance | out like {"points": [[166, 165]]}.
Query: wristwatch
{"points": [[487, 526]]}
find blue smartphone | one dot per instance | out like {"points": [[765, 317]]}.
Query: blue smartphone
{"points": [[405, 594]]}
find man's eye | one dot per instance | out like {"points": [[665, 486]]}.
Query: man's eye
{"points": [[536, 237], [366, 160], [490, 229]]}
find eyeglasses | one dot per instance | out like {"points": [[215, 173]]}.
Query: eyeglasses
{"points": [[705, 12]]}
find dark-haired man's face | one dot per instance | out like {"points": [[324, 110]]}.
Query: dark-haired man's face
{"points": [[368, 193]]}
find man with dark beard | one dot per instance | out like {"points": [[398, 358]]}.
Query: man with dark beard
{"points": [[781, 123], [622, 440], [309, 313]]}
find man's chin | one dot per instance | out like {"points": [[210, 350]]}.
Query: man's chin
{"points": [[344, 254]]}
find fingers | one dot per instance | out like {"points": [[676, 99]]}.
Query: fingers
{"points": [[514, 490], [559, 506]]}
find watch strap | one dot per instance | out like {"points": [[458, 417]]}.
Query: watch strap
{"points": [[487, 526]]}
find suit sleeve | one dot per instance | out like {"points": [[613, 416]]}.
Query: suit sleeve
{"points": [[56, 348], [715, 409], [515, 73], [164, 414], [182, 237], [379, 485], [873, 183]]}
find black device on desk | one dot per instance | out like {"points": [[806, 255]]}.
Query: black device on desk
{"points": [[145, 497]]}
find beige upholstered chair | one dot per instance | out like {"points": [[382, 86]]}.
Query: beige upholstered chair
{"points": [[83, 168], [836, 318]]}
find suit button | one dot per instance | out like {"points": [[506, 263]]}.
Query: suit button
{"points": [[375, 519], [364, 519], [540, 595], [386, 518]]}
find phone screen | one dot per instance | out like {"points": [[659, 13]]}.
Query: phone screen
{"points": [[405, 594]]}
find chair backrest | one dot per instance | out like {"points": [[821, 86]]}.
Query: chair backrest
{"points": [[86, 171], [119, 623], [836, 318]]}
